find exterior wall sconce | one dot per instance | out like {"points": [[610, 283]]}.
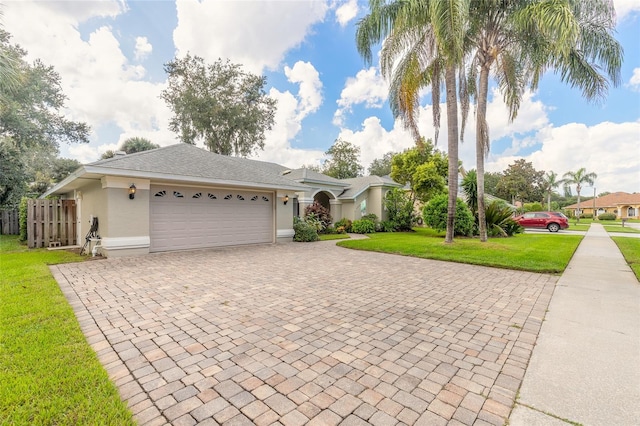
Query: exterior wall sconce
{"points": [[132, 191], [285, 199]]}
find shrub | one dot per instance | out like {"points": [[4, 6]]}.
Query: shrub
{"points": [[533, 207], [330, 230], [390, 226], [499, 221], [371, 216], [345, 224], [400, 210], [304, 231], [435, 215], [363, 226], [22, 218], [607, 216], [320, 212], [586, 216]]}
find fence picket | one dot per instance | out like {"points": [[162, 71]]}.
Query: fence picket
{"points": [[51, 221]]}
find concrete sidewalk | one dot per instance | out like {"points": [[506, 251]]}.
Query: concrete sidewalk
{"points": [[585, 367]]}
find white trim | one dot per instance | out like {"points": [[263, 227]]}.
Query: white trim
{"points": [[285, 233], [123, 182], [124, 243], [325, 190]]}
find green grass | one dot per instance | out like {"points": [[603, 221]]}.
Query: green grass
{"points": [[525, 252], [48, 372], [329, 237], [630, 248], [617, 227]]}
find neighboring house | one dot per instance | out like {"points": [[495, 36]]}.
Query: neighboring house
{"points": [[187, 198], [622, 204]]}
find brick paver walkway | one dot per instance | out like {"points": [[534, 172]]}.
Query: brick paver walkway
{"points": [[312, 334]]}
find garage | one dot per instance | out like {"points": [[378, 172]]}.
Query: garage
{"points": [[184, 218]]}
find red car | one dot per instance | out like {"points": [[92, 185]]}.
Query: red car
{"points": [[553, 221]]}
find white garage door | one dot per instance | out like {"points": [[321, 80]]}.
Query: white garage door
{"points": [[187, 218]]}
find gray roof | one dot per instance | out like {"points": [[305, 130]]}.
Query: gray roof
{"points": [[306, 175], [190, 161], [359, 184]]}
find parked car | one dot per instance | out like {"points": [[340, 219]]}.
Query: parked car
{"points": [[553, 221]]}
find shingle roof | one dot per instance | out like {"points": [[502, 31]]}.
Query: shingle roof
{"points": [[359, 184], [610, 200], [190, 161], [307, 175]]}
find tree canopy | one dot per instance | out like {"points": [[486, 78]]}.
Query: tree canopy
{"points": [[218, 104], [520, 181], [343, 160], [423, 168], [131, 146], [32, 125], [381, 166]]}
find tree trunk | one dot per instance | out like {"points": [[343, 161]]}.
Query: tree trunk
{"points": [[452, 143], [579, 210], [549, 201], [482, 139]]}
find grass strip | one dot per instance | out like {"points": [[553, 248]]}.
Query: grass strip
{"points": [[523, 252], [329, 237], [48, 372], [630, 248]]}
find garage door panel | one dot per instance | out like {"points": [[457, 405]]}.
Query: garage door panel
{"points": [[199, 218]]}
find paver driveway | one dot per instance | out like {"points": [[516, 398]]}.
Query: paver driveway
{"points": [[308, 333]]}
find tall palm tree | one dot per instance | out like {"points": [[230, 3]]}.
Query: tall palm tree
{"points": [[551, 182], [579, 178], [516, 39], [423, 44]]}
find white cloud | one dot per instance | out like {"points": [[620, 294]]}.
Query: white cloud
{"points": [[256, 35], [102, 87], [143, 48], [346, 12], [634, 82], [367, 87], [598, 148], [310, 91], [625, 8]]}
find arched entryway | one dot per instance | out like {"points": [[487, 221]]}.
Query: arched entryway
{"points": [[323, 198]]}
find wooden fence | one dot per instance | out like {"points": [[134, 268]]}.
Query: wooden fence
{"points": [[51, 223], [10, 223]]}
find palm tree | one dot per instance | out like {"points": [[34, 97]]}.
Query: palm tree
{"points": [[520, 38], [551, 182], [423, 44], [578, 178]]}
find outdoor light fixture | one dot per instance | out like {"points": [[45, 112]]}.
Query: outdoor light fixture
{"points": [[132, 191], [285, 199]]}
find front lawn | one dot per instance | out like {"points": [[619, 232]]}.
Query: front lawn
{"points": [[525, 252], [617, 227], [48, 372], [630, 248]]}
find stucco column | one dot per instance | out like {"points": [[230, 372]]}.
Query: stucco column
{"points": [[304, 202], [336, 209]]}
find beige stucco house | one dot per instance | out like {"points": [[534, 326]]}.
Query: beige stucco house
{"points": [[182, 197], [622, 204]]}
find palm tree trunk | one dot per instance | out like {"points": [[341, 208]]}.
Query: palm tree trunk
{"points": [[578, 209], [452, 143], [549, 201], [481, 147]]}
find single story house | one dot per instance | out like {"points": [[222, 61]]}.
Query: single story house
{"points": [[622, 204], [183, 197]]}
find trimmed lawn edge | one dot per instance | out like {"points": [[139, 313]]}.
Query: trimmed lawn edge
{"points": [[630, 249]]}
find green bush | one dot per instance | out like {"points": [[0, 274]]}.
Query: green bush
{"points": [[345, 224], [371, 216], [390, 226], [499, 221], [22, 218], [399, 207], [363, 226], [586, 216], [607, 216], [435, 215], [534, 207], [304, 231]]}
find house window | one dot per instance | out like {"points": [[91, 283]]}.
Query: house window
{"points": [[160, 193], [178, 194], [197, 195], [212, 196], [631, 212], [228, 197], [255, 197], [265, 199], [240, 197]]}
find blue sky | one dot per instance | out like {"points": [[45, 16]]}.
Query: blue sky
{"points": [[110, 56]]}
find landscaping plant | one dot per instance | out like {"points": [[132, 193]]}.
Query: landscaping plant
{"points": [[304, 231], [399, 207], [320, 212], [363, 226], [434, 214]]}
